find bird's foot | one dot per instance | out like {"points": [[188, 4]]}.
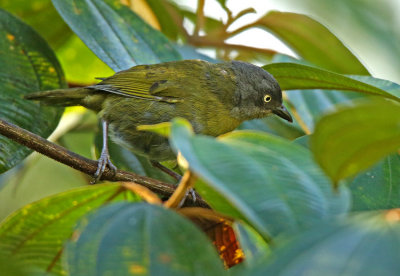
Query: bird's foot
{"points": [[103, 161]]}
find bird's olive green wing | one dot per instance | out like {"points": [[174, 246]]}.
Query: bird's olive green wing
{"points": [[142, 82]]}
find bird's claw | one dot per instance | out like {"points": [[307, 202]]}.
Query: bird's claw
{"points": [[192, 192], [103, 161]]}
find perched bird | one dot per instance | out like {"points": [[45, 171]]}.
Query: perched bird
{"points": [[214, 97]]}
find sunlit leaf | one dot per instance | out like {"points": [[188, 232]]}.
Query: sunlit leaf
{"points": [[35, 234], [354, 138]]}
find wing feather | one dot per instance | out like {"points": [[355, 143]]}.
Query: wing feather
{"points": [[141, 82]]}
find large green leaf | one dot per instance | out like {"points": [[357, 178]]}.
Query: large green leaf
{"points": [[297, 76], [11, 267], [311, 105], [27, 64], [140, 239], [35, 234], [312, 41], [354, 138], [115, 34], [378, 187], [367, 244], [270, 182]]}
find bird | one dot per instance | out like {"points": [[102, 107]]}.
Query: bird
{"points": [[214, 97]]}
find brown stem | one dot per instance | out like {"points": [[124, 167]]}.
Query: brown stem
{"points": [[81, 163], [205, 42]]}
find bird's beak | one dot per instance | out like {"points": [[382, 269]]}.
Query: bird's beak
{"points": [[282, 112]]}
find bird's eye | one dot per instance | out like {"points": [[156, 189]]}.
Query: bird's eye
{"points": [[267, 98]]}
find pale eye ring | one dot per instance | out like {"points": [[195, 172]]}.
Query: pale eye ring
{"points": [[267, 98]]}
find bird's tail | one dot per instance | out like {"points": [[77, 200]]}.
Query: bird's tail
{"points": [[60, 97]]}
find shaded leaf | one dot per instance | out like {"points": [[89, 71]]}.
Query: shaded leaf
{"points": [[115, 34], [354, 138], [312, 41], [141, 239], [253, 245], [274, 125], [27, 64], [267, 181], [365, 244], [36, 233], [296, 76]]}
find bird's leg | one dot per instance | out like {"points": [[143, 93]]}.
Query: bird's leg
{"points": [[175, 175], [168, 171], [104, 159]]}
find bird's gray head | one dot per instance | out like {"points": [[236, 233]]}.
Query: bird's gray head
{"points": [[258, 93]]}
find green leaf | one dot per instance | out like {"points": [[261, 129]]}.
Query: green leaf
{"points": [[354, 138], [141, 239], [274, 125], [162, 129], [272, 183], [378, 187], [163, 10], [27, 64], [296, 76], [312, 41], [11, 267], [311, 105], [366, 244], [115, 34], [35, 234]]}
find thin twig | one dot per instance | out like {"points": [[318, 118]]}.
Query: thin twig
{"points": [[199, 18], [85, 165]]}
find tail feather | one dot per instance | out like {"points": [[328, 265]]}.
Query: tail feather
{"points": [[60, 97]]}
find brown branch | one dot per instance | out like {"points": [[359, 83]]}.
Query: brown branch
{"points": [[85, 165]]}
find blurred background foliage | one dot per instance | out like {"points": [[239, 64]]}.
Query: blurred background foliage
{"points": [[367, 27]]}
